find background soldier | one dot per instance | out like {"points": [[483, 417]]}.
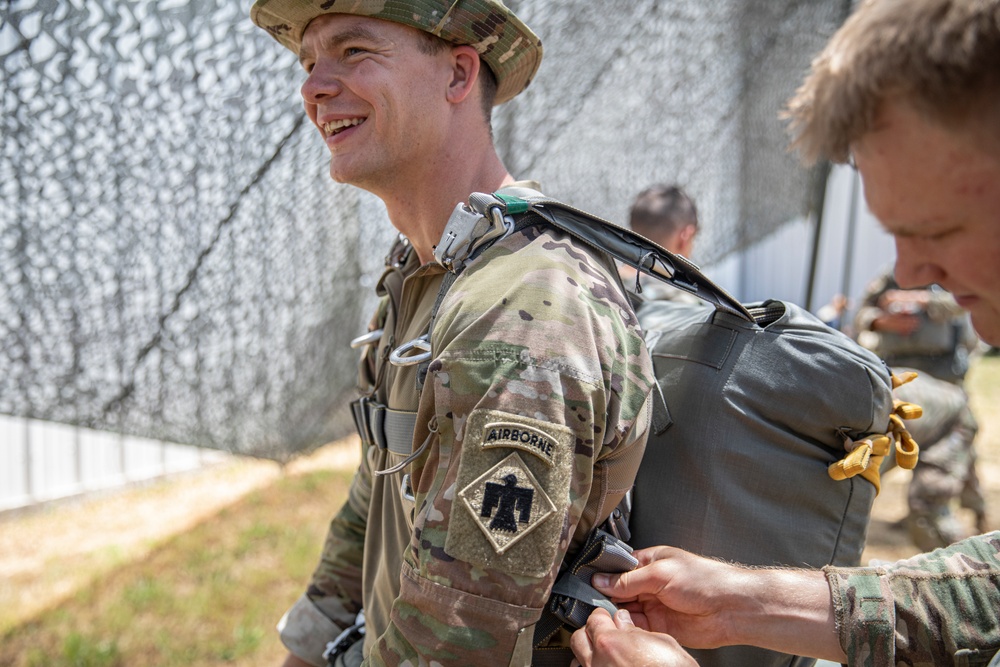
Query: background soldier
{"points": [[924, 329], [666, 215], [911, 90], [535, 336]]}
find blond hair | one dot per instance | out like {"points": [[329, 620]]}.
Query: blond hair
{"points": [[941, 56]]}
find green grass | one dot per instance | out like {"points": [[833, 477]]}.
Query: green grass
{"points": [[207, 597]]}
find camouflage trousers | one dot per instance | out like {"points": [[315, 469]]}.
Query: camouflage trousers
{"points": [[946, 472]]}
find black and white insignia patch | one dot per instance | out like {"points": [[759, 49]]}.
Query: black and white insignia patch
{"points": [[507, 502]]}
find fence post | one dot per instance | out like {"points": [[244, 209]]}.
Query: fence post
{"points": [[29, 484]]}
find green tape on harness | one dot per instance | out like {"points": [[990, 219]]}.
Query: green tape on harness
{"points": [[514, 204]]}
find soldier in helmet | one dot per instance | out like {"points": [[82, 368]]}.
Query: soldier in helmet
{"points": [[522, 426]]}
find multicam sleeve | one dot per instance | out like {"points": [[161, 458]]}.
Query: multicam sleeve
{"points": [[537, 381], [930, 609], [333, 598], [864, 613]]}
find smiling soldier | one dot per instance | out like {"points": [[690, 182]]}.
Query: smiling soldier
{"points": [[486, 464]]}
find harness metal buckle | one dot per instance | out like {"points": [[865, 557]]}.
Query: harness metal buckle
{"points": [[345, 639], [367, 339], [470, 227], [397, 358], [455, 245], [406, 488]]}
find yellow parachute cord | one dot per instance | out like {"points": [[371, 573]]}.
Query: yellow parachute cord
{"points": [[864, 457]]}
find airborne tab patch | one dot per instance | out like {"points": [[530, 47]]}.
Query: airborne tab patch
{"points": [[507, 502], [519, 436], [513, 488]]}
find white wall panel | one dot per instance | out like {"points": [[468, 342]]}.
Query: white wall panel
{"points": [[42, 461], [13, 463]]}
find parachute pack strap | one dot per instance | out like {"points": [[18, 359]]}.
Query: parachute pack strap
{"points": [[622, 244], [574, 587], [865, 456], [470, 231], [573, 598], [446, 283], [513, 205]]}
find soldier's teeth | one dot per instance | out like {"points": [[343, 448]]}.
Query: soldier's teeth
{"points": [[335, 126]]}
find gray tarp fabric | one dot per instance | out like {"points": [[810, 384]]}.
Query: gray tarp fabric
{"points": [[175, 262]]}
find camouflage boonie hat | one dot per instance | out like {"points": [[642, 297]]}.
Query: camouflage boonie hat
{"points": [[504, 43]]}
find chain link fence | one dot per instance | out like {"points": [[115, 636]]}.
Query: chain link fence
{"points": [[175, 262]]}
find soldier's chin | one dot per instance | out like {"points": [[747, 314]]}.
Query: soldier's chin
{"points": [[339, 175], [986, 322]]}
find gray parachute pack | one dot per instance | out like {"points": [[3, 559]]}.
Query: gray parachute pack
{"points": [[768, 429]]}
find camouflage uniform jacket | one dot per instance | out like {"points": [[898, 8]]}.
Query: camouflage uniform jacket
{"points": [[532, 422], [941, 608]]}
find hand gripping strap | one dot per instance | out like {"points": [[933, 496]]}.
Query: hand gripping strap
{"points": [[573, 598]]}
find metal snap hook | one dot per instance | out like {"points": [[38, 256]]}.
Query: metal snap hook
{"points": [[367, 339], [423, 343], [406, 488]]}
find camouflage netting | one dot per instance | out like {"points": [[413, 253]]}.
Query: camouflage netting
{"points": [[175, 262]]}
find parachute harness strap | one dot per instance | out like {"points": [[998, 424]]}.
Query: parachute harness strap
{"points": [[865, 456]]}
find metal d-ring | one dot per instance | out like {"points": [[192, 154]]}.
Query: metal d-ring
{"points": [[642, 265], [367, 339], [423, 343]]}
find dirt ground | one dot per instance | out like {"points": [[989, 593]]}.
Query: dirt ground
{"points": [[48, 554]]}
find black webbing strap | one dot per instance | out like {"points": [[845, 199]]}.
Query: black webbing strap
{"points": [[573, 598], [446, 283], [383, 427], [449, 279], [633, 249]]}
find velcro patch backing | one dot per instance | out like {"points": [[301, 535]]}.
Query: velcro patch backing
{"points": [[512, 493]]}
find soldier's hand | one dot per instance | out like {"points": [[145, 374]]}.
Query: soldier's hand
{"points": [[905, 301], [903, 324], [619, 643], [677, 593], [706, 603]]}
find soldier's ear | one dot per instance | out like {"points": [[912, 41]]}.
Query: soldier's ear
{"points": [[465, 66]]}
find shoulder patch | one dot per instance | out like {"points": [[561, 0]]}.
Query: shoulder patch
{"points": [[507, 502], [512, 493]]}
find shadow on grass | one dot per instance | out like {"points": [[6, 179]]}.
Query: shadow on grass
{"points": [[208, 596]]}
